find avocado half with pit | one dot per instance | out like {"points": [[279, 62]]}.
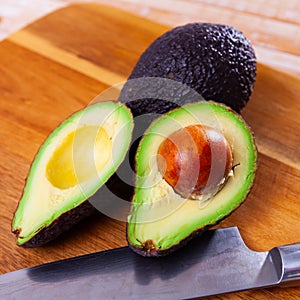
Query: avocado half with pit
{"points": [[77, 158], [195, 165]]}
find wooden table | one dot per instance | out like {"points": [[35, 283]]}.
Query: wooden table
{"points": [[272, 25], [58, 64]]}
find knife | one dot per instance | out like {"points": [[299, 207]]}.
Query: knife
{"points": [[215, 263]]}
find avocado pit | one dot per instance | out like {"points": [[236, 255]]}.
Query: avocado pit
{"points": [[195, 160]]}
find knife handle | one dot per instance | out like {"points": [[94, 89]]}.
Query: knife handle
{"points": [[288, 262]]}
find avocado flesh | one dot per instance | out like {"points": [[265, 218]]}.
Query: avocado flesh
{"points": [[214, 60], [77, 158], [161, 220]]}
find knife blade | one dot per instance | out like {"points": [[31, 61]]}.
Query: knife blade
{"points": [[215, 263]]}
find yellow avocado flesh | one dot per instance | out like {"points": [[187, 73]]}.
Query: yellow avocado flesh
{"points": [[82, 154], [165, 218], [77, 158]]}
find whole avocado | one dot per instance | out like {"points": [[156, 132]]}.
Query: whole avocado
{"points": [[213, 60]]}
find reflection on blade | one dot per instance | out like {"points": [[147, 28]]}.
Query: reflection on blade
{"points": [[217, 262]]}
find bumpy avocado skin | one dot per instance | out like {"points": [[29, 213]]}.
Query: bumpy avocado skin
{"points": [[217, 61]]}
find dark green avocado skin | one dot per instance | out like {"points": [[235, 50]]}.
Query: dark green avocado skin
{"points": [[60, 225], [74, 216], [217, 61], [146, 252]]}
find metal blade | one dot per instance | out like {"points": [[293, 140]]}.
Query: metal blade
{"points": [[217, 262]]}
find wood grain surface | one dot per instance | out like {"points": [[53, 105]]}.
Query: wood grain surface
{"points": [[58, 64], [273, 26]]}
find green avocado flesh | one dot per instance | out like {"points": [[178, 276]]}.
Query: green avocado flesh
{"points": [[161, 220], [77, 158]]}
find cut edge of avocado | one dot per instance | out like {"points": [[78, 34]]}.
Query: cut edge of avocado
{"points": [[157, 208], [68, 170]]}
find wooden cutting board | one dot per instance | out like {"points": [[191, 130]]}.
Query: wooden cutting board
{"points": [[58, 64]]}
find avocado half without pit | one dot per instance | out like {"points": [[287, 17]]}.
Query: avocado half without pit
{"points": [[77, 158], [195, 165]]}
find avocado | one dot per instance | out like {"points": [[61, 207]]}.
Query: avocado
{"points": [[217, 61], [183, 189], [77, 158]]}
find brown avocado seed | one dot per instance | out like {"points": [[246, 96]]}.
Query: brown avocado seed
{"points": [[195, 161]]}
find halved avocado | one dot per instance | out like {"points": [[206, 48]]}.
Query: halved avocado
{"points": [[161, 219], [77, 158]]}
